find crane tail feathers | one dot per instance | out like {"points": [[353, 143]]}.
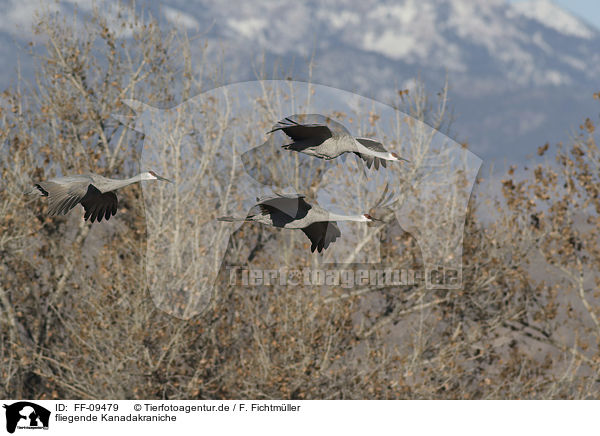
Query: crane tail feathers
{"points": [[230, 219]]}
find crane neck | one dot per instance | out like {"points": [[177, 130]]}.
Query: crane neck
{"points": [[337, 217], [117, 184]]}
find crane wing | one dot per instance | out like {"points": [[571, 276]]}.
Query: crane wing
{"points": [[98, 204], [375, 146], [372, 145], [63, 193], [370, 160], [321, 234], [284, 209], [303, 135]]}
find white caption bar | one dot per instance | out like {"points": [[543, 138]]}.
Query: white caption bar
{"points": [[247, 417]]}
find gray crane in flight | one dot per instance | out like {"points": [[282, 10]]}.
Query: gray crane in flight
{"points": [[325, 142], [293, 212], [92, 191]]}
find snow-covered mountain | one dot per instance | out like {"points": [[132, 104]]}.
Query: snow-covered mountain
{"points": [[520, 74]]}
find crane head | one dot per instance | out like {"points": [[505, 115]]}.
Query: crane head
{"points": [[398, 157], [369, 218], [157, 177]]}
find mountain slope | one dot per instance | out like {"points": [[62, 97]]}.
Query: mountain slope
{"points": [[520, 74]]}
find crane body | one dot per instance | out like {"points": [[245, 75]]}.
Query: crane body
{"points": [[94, 192], [324, 142], [293, 212]]}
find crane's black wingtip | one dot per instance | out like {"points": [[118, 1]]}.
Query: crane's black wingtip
{"points": [[289, 120], [42, 190]]}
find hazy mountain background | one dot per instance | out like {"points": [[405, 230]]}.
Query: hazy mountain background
{"points": [[520, 74]]}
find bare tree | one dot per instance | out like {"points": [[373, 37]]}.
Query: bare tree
{"points": [[82, 315]]}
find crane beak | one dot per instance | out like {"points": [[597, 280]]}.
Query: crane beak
{"points": [[163, 179], [370, 218]]}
